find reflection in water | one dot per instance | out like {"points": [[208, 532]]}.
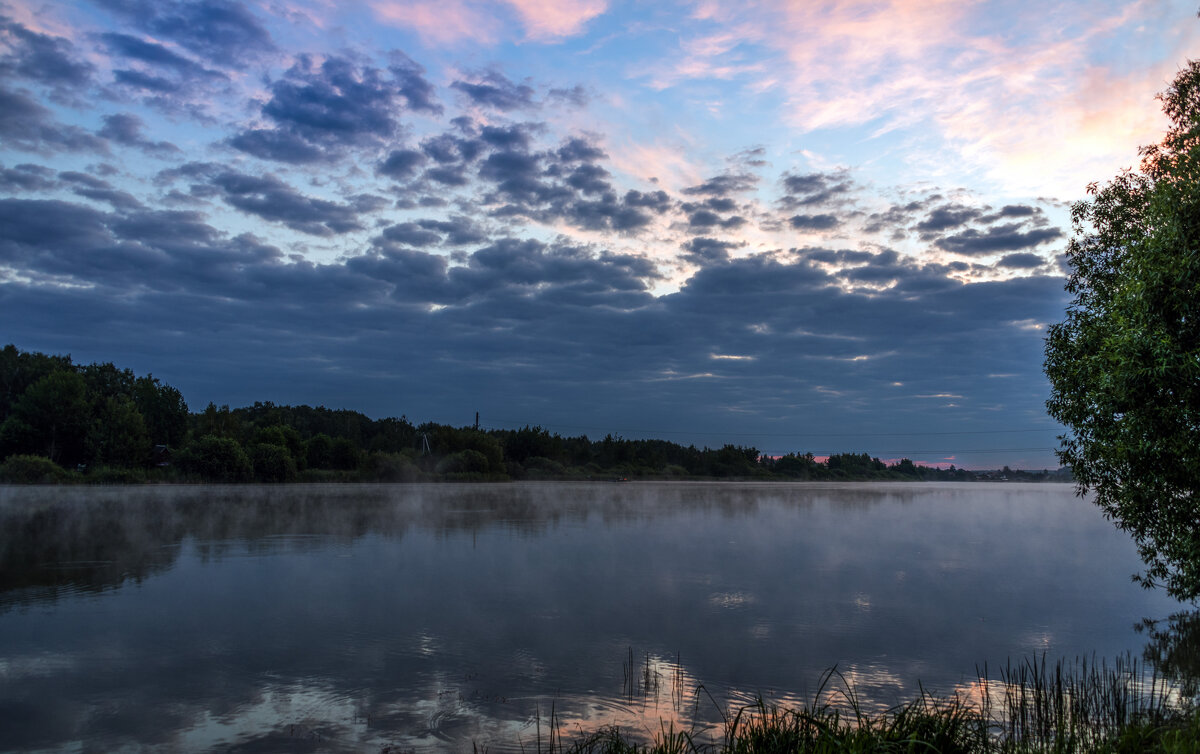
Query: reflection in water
{"points": [[437, 616], [1173, 647]]}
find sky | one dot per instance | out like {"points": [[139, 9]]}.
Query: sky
{"points": [[803, 226]]}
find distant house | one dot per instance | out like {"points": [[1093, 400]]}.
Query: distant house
{"points": [[160, 456]]}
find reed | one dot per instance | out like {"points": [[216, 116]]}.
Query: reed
{"points": [[1028, 708]]}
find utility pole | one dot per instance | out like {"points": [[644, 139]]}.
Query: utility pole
{"points": [[476, 421]]}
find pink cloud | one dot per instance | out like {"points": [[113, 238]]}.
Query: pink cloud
{"points": [[440, 21], [1024, 96], [456, 21], [554, 19]]}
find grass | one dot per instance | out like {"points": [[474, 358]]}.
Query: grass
{"points": [[1030, 708]]}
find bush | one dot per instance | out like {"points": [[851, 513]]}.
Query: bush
{"points": [[28, 469], [390, 467], [116, 475], [216, 459], [464, 461], [272, 463]]}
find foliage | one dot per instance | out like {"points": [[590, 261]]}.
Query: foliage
{"points": [[29, 469], [1124, 365], [50, 418], [216, 459], [272, 463]]}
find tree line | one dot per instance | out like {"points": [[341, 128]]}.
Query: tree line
{"points": [[62, 422]]}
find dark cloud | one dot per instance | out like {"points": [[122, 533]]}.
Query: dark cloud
{"points": [[897, 218], [997, 238], [1021, 261], [544, 330], [447, 148], [401, 163], [49, 61], [702, 250], [83, 179], [724, 185], [448, 176], [459, 229], [149, 82], [225, 33], [575, 96], [655, 201], [517, 136], [589, 179], [412, 85], [579, 150], [271, 199], [27, 125], [320, 110], [408, 234], [703, 220], [120, 200], [947, 217], [605, 213], [279, 146], [26, 177], [158, 58], [815, 188], [126, 129], [813, 222], [493, 89]]}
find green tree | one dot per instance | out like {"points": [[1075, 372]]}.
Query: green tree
{"points": [[51, 418], [272, 463], [118, 435], [1124, 365], [216, 459]]}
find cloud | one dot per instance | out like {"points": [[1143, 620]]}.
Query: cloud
{"points": [[225, 33], [157, 57], [813, 222], [724, 185], [401, 163], [524, 324], [27, 125], [26, 177], [412, 84], [703, 250], [440, 21], [493, 89], [814, 188], [1023, 261], [126, 129], [946, 217], [995, 239], [271, 199], [554, 19], [458, 21], [703, 220], [320, 110], [47, 60]]}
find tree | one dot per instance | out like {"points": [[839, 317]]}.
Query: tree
{"points": [[51, 418], [1124, 365], [217, 459]]}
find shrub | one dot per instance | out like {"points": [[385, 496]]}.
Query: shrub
{"points": [[272, 463], [216, 459], [29, 469]]}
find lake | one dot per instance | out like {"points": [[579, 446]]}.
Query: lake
{"points": [[441, 617]]}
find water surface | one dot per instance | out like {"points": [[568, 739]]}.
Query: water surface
{"points": [[438, 617]]}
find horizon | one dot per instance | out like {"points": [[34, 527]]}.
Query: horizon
{"points": [[803, 229]]}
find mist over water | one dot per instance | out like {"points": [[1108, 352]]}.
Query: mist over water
{"points": [[353, 618]]}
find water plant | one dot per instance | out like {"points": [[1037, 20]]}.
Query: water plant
{"points": [[1028, 708]]}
